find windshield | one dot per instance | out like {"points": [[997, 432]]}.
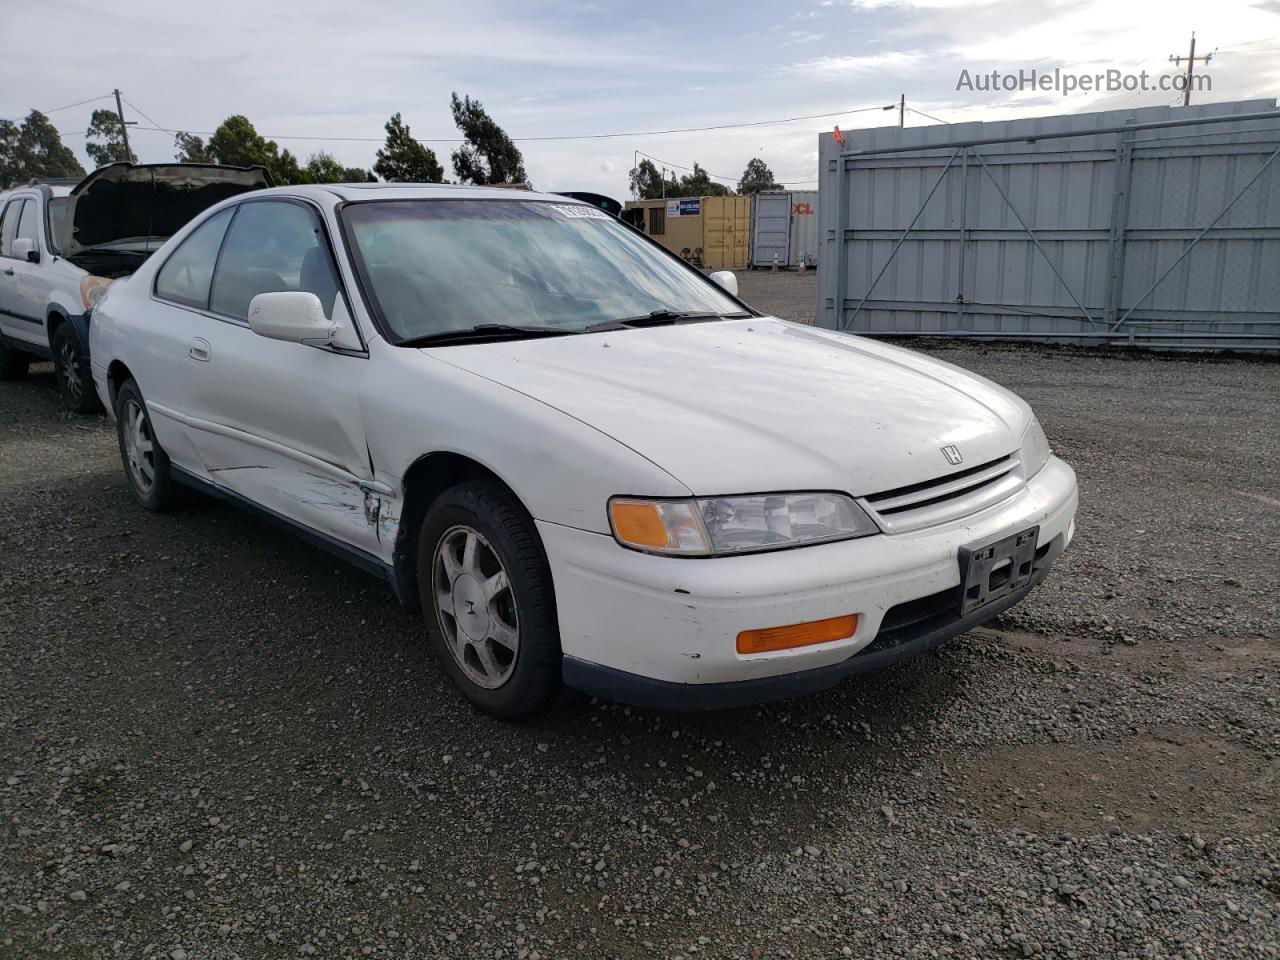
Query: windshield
{"points": [[435, 266]]}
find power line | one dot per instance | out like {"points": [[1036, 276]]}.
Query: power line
{"points": [[540, 139], [928, 116], [138, 109], [68, 106]]}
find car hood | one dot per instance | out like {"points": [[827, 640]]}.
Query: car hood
{"points": [[760, 404], [148, 203]]}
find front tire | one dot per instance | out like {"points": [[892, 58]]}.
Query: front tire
{"points": [[71, 369], [486, 591], [13, 363], [146, 465]]}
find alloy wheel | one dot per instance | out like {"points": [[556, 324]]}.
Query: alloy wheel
{"points": [[139, 446], [68, 371], [475, 607]]}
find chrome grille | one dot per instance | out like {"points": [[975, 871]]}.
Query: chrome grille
{"points": [[945, 498]]}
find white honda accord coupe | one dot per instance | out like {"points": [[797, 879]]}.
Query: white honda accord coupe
{"points": [[589, 464]]}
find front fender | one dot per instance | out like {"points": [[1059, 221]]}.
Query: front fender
{"points": [[79, 324]]}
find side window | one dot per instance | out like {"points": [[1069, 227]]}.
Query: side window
{"points": [[272, 246], [28, 228], [9, 225], [187, 274]]}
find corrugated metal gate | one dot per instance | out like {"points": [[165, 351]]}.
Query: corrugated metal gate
{"points": [[1155, 227]]}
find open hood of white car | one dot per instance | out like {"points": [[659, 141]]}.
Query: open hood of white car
{"points": [[758, 405], [130, 208]]}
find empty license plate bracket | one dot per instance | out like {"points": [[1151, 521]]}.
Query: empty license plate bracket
{"points": [[993, 570]]}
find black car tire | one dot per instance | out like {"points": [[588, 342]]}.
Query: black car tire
{"points": [[526, 680], [71, 370], [147, 470]]}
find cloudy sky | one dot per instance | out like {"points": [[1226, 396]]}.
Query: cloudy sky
{"points": [[338, 70]]}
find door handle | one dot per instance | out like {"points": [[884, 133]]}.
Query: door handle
{"points": [[200, 350], [8, 272]]}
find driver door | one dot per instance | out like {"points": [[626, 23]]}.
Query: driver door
{"points": [[275, 422]]}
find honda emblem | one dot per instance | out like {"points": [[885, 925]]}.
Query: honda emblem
{"points": [[952, 453]]}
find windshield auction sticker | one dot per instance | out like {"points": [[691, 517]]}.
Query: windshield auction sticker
{"points": [[579, 211]]}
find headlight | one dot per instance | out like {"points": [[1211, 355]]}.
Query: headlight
{"points": [[728, 525], [1035, 448], [92, 289]]}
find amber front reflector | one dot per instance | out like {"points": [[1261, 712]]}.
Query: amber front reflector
{"points": [[797, 635], [639, 524]]}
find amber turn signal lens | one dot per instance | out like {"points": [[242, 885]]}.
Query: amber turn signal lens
{"points": [[639, 524], [797, 635]]}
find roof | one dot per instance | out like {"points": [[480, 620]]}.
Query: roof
{"points": [[437, 191]]}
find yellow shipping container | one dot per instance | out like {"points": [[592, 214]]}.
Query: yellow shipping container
{"points": [[710, 232]]}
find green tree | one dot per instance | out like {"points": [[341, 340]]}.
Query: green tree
{"points": [[324, 168], [646, 180], [756, 177], [10, 137], [405, 160], [649, 183], [487, 154], [34, 150], [236, 143], [700, 184], [191, 149], [104, 140]]}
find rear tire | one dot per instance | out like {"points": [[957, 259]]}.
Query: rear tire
{"points": [[487, 594], [13, 363], [146, 465], [71, 369]]}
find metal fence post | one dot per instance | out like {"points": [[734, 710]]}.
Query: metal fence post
{"points": [[1119, 223], [964, 214], [841, 225]]}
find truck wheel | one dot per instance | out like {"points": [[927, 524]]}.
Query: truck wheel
{"points": [[13, 363], [484, 579], [146, 465], [71, 369]]}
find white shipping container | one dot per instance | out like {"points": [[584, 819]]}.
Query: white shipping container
{"points": [[784, 228], [804, 228]]}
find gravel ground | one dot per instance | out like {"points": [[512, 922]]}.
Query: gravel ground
{"points": [[216, 742]]}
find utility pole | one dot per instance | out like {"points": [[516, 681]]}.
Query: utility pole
{"points": [[1191, 59], [901, 107], [124, 127]]}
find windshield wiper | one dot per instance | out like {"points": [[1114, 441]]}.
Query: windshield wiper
{"points": [[660, 318], [484, 332]]}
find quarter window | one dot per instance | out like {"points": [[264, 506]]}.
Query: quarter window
{"points": [[187, 274], [272, 246], [27, 226]]}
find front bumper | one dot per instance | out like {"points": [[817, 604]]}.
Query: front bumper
{"points": [[660, 631]]}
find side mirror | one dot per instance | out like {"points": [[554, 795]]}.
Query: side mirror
{"points": [[726, 280], [24, 248], [293, 315]]}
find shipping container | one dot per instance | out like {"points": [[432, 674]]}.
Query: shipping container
{"points": [[709, 232], [784, 228]]}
